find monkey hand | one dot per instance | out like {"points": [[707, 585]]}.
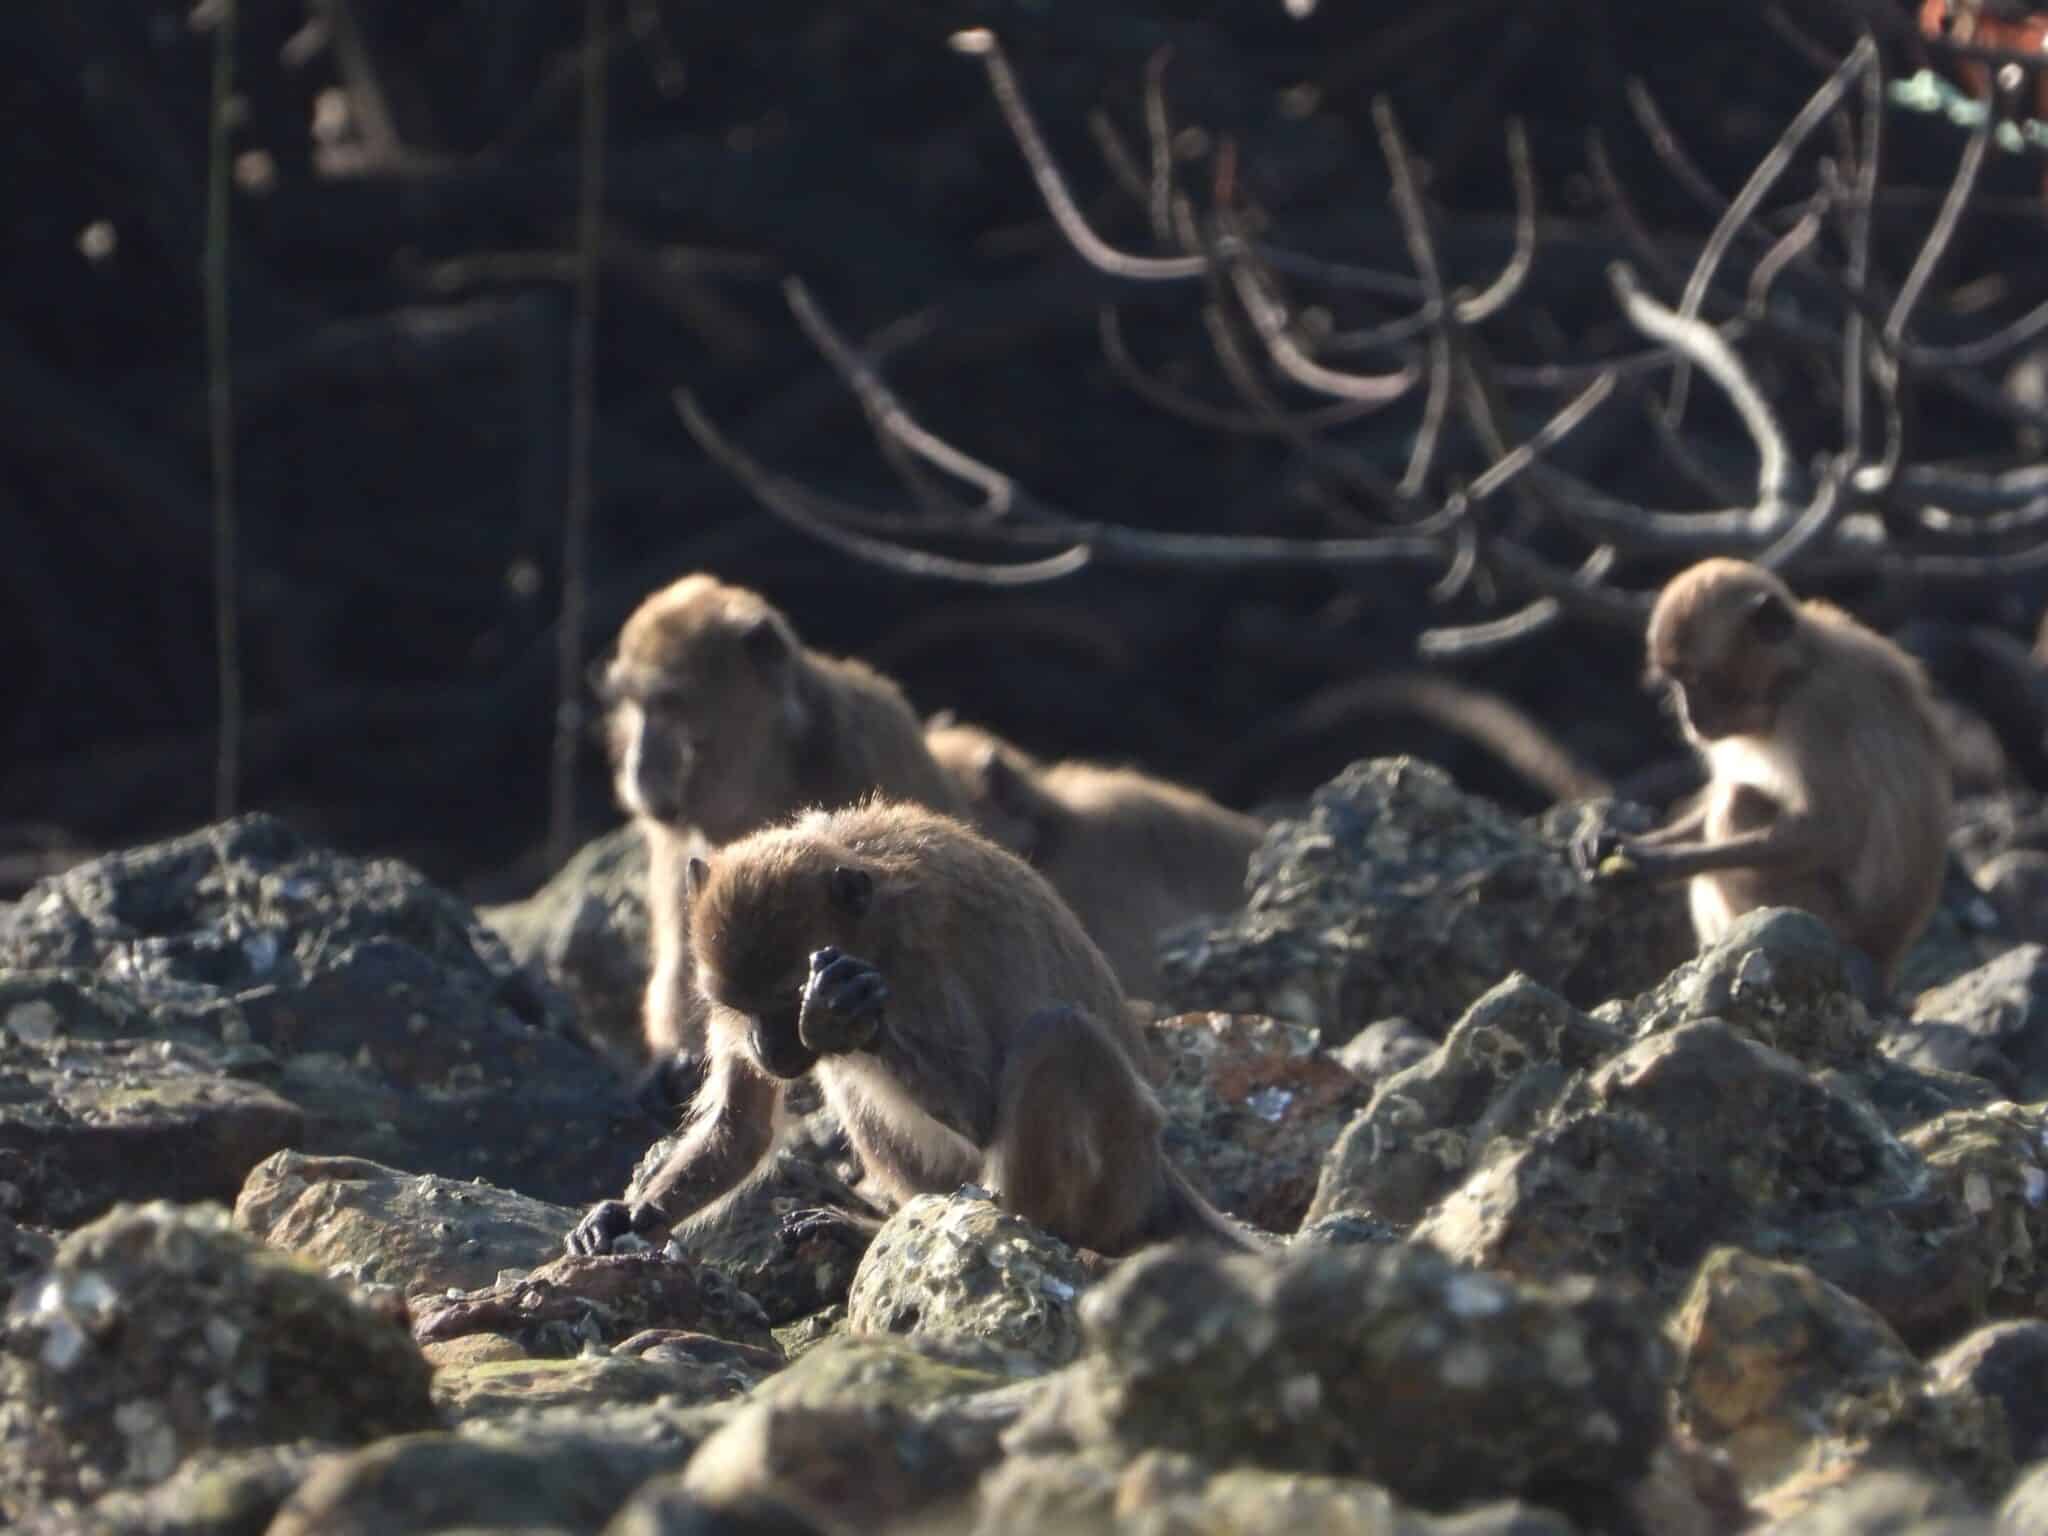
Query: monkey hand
{"points": [[609, 1220], [1599, 852], [842, 1006], [824, 1223]]}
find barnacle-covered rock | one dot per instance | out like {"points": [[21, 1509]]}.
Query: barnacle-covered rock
{"points": [[1390, 1364], [959, 1267], [1398, 894], [160, 1332], [1252, 1108]]}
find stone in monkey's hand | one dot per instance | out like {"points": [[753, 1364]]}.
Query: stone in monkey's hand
{"points": [[842, 1006]]}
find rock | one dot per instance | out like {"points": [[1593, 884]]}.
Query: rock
{"points": [[161, 1332], [743, 1236], [2025, 1509], [1497, 1072], [1383, 1048], [848, 1469], [1788, 1374], [662, 1508], [506, 1390], [2016, 882], [913, 1372], [602, 1299], [2006, 1363], [2002, 1009], [1847, 1501], [1398, 894], [420, 1232], [586, 932], [384, 1009], [24, 1254], [415, 1484], [957, 1267], [214, 1493], [86, 1124], [1985, 1166], [1252, 1109], [1697, 1137], [1385, 1363]]}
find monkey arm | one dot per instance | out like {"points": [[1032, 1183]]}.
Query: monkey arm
{"points": [[731, 1130], [1788, 845], [1685, 827]]}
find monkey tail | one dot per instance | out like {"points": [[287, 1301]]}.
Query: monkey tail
{"points": [[1190, 1216]]}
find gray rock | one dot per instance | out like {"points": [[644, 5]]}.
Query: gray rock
{"points": [[1852, 1502], [2024, 1511], [507, 1391], [2007, 1363], [383, 1008], [419, 1232], [160, 1332], [214, 1493], [2002, 1010], [1382, 1048], [957, 1267]]}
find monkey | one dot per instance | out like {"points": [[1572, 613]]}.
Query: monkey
{"points": [[1828, 788], [1130, 854], [955, 1015], [719, 720]]}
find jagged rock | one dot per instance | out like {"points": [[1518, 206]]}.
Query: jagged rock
{"points": [[214, 1493], [795, 1275], [586, 931], [1498, 1071], [1699, 1136], [160, 1332], [2024, 1511], [603, 1299], [1790, 1375], [416, 1484], [2001, 1010], [420, 1232], [1986, 1163], [957, 1267], [497, 1391], [1385, 1363], [1252, 1108], [2006, 1363], [1398, 894], [1846, 1500], [379, 1004], [1383, 1048], [846, 1470]]}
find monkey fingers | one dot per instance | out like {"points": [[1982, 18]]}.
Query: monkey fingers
{"points": [[608, 1221], [842, 1004], [1592, 846], [824, 1223]]}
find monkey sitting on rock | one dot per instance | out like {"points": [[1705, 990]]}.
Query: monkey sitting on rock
{"points": [[1132, 855], [718, 721], [959, 1021], [1828, 787]]}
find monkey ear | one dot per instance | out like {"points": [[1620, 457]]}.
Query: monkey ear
{"points": [[695, 873], [852, 890], [764, 642], [1772, 618]]}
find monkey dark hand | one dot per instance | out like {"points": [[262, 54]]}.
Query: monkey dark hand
{"points": [[822, 1223], [608, 1221], [1599, 852], [842, 1006]]}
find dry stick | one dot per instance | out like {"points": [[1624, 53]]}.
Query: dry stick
{"points": [[1175, 401], [221, 424], [1855, 349], [1774, 164], [1422, 252], [582, 438]]}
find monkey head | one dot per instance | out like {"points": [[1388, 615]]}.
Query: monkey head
{"points": [[704, 707], [1727, 639], [759, 909], [998, 786]]}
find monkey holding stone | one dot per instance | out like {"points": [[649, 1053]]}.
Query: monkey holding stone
{"points": [[1828, 788], [1132, 855], [719, 721], [959, 1021]]}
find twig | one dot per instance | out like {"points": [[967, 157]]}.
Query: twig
{"points": [[582, 435]]}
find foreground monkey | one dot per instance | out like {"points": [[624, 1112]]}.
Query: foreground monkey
{"points": [[960, 1023], [1130, 854], [1828, 786], [720, 721]]}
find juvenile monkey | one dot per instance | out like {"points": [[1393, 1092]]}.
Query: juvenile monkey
{"points": [[1130, 854], [1828, 787], [959, 1021], [719, 721]]}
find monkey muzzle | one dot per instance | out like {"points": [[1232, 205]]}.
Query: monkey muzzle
{"points": [[777, 1047]]}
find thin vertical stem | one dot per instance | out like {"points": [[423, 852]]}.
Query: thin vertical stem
{"points": [[582, 437], [221, 420]]}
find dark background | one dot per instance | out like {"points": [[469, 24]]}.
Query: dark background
{"points": [[401, 345]]}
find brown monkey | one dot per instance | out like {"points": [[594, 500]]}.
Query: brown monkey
{"points": [[958, 1019], [1828, 787], [720, 721], [1131, 854]]}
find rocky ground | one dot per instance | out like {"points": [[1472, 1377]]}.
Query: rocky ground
{"points": [[1575, 1231]]}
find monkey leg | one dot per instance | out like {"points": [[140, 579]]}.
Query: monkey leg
{"points": [[1076, 1148], [842, 1006]]}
